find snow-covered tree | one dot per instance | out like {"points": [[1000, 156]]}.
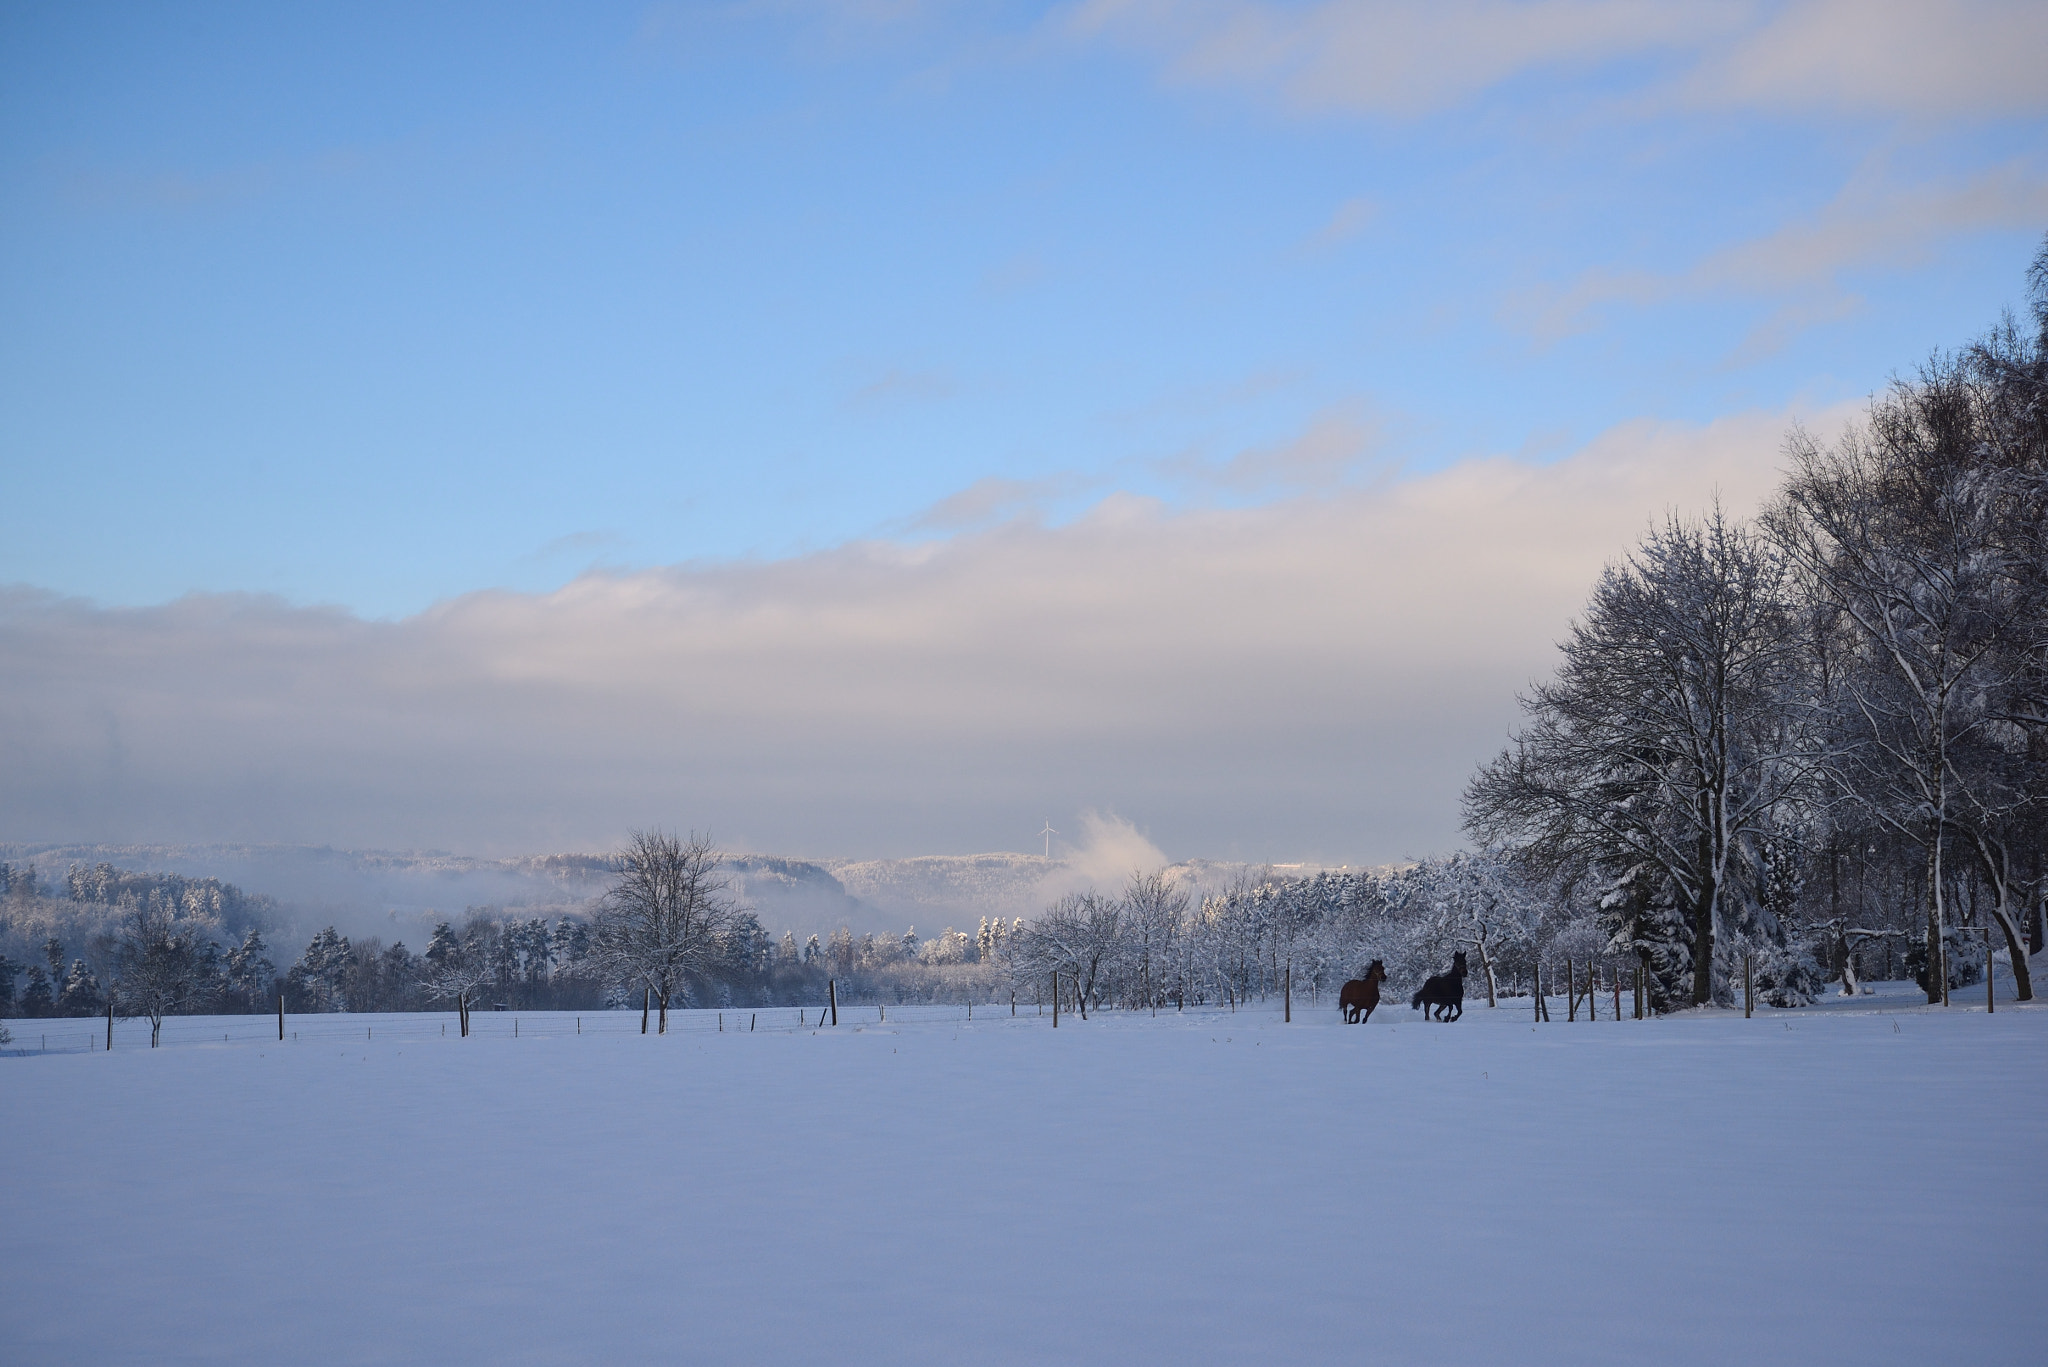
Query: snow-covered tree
{"points": [[36, 997], [80, 994], [320, 980], [250, 972], [157, 967], [1677, 727], [662, 921], [455, 969], [1465, 901]]}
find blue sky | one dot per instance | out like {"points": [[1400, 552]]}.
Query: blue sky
{"points": [[374, 305], [1268, 380]]}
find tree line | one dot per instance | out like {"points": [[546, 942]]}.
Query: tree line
{"points": [[1825, 731], [668, 933]]}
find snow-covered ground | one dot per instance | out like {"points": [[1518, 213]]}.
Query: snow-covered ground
{"points": [[1860, 1182]]}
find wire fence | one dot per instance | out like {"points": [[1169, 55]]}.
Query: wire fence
{"points": [[87, 1034]]}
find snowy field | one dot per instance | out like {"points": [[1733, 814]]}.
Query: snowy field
{"points": [[1858, 1182]]}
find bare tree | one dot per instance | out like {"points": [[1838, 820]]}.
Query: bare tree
{"points": [[1155, 910], [157, 963], [665, 918], [1077, 937], [454, 970]]}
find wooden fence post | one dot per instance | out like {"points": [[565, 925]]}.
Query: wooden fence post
{"points": [[1287, 1012], [1990, 992], [1055, 999], [1748, 994], [1536, 994], [646, 1001], [832, 993], [280, 1014], [1571, 993]]}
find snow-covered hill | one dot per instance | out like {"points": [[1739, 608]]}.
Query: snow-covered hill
{"points": [[398, 893]]}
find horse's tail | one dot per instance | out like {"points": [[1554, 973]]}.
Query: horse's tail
{"points": [[1416, 1001]]}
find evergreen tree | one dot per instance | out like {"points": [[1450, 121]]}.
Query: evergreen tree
{"points": [[36, 999], [1639, 913], [80, 995], [250, 972], [571, 941], [319, 980], [442, 944]]}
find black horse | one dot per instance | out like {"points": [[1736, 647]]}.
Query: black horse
{"points": [[1444, 992], [1361, 995]]}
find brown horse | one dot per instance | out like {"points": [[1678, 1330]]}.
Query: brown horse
{"points": [[1361, 995]]}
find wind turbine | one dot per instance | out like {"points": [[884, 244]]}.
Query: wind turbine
{"points": [[1048, 833]]}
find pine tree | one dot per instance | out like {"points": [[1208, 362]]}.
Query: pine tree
{"points": [[320, 979], [571, 941], [1641, 918], [250, 971], [441, 944], [80, 995], [35, 998]]}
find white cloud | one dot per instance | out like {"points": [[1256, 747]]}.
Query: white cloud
{"points": [[1920, 57], [1351, 218], [1331, 448], [1405, 57], [1307, 679], [1388, 56], [1874, 221]]}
